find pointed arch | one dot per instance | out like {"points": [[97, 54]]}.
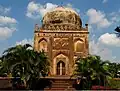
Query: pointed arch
{"points": [[78, 39], [42, 40], [78, 46], [61, 53], [43, 44], [62, 60]]}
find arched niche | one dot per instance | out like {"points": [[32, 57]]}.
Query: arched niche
{"points": [[60, 62], [79, 46], [43, 44]]}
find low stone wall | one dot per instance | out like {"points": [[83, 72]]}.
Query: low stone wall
{"points": [[116, 79], [115, 83], [5, 82]]}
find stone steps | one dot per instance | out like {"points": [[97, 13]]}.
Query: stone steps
{"points": [[62, 86], [66, 84], [60, 83], [59, 89]]}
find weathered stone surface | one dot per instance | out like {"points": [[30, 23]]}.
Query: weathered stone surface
{"points": [[64, 38]]}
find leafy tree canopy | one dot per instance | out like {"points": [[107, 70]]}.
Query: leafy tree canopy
{"points": [[22, 61]]}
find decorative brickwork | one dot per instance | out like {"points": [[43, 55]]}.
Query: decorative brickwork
{"points": [[64, 39]]}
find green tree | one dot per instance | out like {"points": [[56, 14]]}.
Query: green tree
{"points": [[24, 62], [117, 29], [114, 68], [94, 70]]}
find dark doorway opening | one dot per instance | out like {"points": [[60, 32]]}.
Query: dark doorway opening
{"points": [[60, 68]]}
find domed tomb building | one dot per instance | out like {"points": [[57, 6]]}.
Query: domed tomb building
{"points": [[63, 39]]}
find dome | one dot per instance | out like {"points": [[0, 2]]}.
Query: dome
{"points": [[64, 9], [62, 16]]}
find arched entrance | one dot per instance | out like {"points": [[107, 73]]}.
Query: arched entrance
{"points": [[60, 68], [60, 65]]}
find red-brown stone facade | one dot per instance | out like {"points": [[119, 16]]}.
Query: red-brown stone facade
{"points": [[63, 39]]}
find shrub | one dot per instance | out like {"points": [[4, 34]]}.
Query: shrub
{"points": [[114, 83]]}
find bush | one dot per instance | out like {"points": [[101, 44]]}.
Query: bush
{"points": [[114, 83], [100, 88]]}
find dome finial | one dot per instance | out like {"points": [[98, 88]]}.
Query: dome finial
{"points": [[61, 5], [86, 25]]}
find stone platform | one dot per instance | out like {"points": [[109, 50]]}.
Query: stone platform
{"points": [[60, 83]]}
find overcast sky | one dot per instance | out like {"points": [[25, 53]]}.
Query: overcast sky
{"points": [[18, 17]]}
